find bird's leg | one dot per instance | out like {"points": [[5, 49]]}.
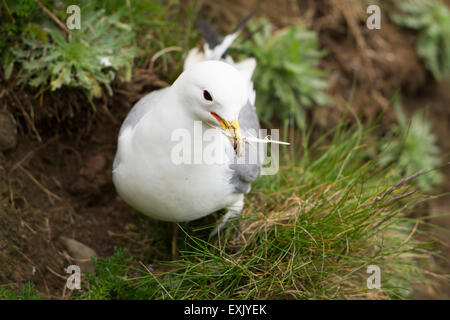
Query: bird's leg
{"points": [[174, 240], [234, 211], [230, 214]]}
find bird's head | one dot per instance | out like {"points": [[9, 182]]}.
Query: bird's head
{"points": [[215, 93]]}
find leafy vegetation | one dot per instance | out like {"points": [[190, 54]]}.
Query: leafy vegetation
{"points": [[310, 231], [415, 149], [109, 281], [432, 20], [287, 77], [103, 49], [84, 60]]}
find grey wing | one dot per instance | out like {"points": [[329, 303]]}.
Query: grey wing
{"points": [[245, 172], [142, 107]]}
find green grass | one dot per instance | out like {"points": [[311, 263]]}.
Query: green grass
{"points": [[26, 292], [309, 232]]}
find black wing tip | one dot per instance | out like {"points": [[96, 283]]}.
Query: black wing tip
{"points": [[209, 34], [212, 38], [244, 21]]}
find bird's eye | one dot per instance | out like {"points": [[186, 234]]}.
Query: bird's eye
{"points": [[207, 95]]}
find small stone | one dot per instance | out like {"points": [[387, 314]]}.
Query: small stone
{"points": [[81, 253], [8, 131]]}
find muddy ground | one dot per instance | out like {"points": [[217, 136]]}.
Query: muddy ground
{"points": [[57, 181]]}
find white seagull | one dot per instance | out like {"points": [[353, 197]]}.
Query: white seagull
{"points": [[218, 93]]}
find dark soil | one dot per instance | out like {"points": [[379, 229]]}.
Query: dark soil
{"points": [[63, 187], [57, 181]]}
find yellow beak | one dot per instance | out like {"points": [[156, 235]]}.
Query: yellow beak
{"points": [[235, 132]]}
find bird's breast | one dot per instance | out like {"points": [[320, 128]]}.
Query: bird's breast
{"points": [[174, 175]]}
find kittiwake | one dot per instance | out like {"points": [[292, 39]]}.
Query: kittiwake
{"points": [[216, 93]]}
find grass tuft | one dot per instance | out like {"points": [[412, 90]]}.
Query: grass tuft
{"points": [[26, 292]]}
